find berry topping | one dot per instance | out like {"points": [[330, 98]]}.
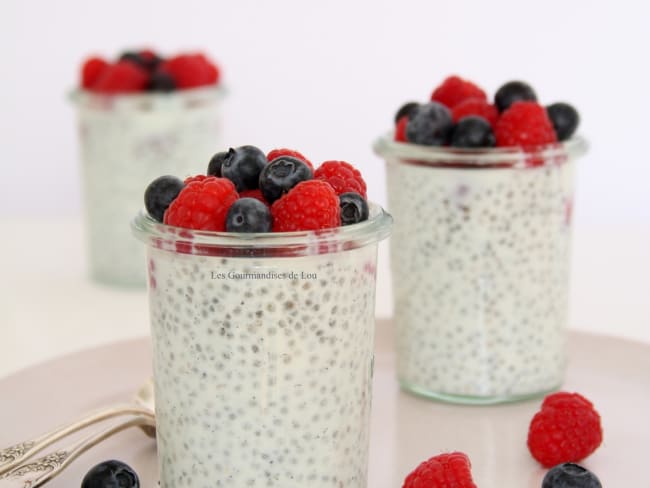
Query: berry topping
{"points": [[524, 124], [472, 132], [191, 70], [161, 82], [454, 90], [202, 204], [160, 193], [405, 110], [566, 429], [478, 107], [569, 475], [310, 205], [400, 129], [256, 194], [242, 166], [429, 124], [511, 92], [248, 215], [214, 166], [342, 176], [123, 77], [281, 175], [354, 208], [450, 470], [276, 153], [191, 179], [91, 71], [565, 119], [111, 474], [144, 59]]}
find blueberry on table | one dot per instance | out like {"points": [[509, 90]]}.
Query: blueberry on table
{"points": [[511, 92], [161, 82], [570, 475], [405, 110], [160, 193], [248, 215], [565, 119], [472, 132], [354, 208], [281, 175], [429, 124], [111, 474], [242, 166], [216, 162]]}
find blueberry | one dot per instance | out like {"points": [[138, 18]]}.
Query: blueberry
{"points": [[248, 215], [429, 124], [570, 475], [214, 166], [281, 175], [149, 63], [511, 92], [472, 132], [161, 82], [160, 193], [354, 208], [406, 110], [565, 119], [242, 166], [111, 474]]}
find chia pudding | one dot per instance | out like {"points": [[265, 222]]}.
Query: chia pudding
{"points": [[126, 140], [480, 263], [263, 353]]}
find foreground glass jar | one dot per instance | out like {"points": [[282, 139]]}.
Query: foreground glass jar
{"points": [[480, 266], [126, 141], [263, 351]]}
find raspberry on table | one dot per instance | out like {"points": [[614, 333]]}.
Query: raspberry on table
{"points": [[524, 124], [310, 205], [478, 107], [91, 71], [400, 129], [121, 77], [449, 470], [342, 176], [454, 90], [203, 204], [566, 429], [276, 153]]}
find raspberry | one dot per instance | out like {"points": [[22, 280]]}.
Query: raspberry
{"points": [[91, 70], [310, 205], [524, 124], [256, 194], [122, 77], [202, 204], [566, 429], [191, 179], [276, 153], [400, 129], [342, 176], [191, 70], [454, 90], [449, 470], [475, 106]]}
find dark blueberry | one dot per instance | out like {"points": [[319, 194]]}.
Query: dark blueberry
{"points": [[160, 193], [569, 475], [429, 124], [148, 62], [281, 175], [565, 119], [111, 474], [214, 167], [354, 208], [248, 215], [406, 110], [242, 166], [511, 92], [161, 82], [471, 132]]}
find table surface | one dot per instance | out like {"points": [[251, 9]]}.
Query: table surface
{"points": [[613, 373]]}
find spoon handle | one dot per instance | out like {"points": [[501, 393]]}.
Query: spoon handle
{"points": [[41, 470], [12, 456]]}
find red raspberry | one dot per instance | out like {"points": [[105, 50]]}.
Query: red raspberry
{"points": [[91, 70], [400, 129], [256, 194], [191, 70], [122, 77], [342, 176], [276, 153], [191, 179], [524, 124], [202, 204], [449, 470], [476, 106], [454, 90], [310, 205], [566, 429]]}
